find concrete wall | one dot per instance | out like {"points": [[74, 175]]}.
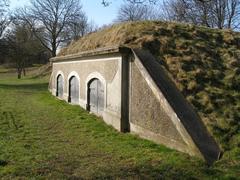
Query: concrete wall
{"points": [[147, 116], [106, 69]]}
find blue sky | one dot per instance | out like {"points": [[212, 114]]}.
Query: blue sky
{"points": [[93, 8]]}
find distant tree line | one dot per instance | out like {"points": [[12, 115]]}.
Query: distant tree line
{"points": [[222, 14], [35, 33], [135, 12], [4, 19]]}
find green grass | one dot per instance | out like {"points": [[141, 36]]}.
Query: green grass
{"points": [[42, 137]]}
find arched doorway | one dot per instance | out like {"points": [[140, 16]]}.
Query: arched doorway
{"points": [[73, 90], [95, 96], [59, 92]]}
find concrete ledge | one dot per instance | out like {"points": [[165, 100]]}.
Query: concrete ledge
{"points": [[91, 53], [65, 97], [157, 138], [112, 119], [53, 91], [82, 103]]}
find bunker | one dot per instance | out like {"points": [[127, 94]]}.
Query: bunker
{"points": [[129, 89]]}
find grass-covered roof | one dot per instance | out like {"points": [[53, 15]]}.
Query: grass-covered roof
{"points": [[204, 64]]}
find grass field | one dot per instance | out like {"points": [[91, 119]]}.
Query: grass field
{"points": [[42, 137]]}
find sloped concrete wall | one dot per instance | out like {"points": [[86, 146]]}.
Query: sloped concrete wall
{"points": [[185, 119], [147, 117]]}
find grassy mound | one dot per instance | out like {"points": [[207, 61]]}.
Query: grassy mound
{"points": [[43, 71], [204, 64]]}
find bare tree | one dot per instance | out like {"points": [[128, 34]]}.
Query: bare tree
{"points": [[191, 11], [78, 27], [23, 46], [227, 13], [51, 20], [233, 14], [92, 27], [134, 12], [108, 2], [212, 13], [4, 19]]}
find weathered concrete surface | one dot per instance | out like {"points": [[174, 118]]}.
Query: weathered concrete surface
{"points": [[106, 68], [181, 113], [146, 110]]}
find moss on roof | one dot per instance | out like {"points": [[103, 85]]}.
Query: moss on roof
{"points": [[204, 64]]}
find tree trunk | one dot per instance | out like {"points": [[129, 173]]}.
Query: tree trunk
{"points": [[53, 53], [24, 71], [54, 48], [19, 72]]}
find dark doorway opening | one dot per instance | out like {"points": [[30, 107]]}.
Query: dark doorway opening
{"points": [[59, 92]]}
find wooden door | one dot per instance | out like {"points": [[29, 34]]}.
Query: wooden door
{"points": [[100, 91], [93, 102], [74, 90], [59, 86], [96, 96]]}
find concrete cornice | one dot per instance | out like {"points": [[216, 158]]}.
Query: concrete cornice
{"points": [[92, 53]]}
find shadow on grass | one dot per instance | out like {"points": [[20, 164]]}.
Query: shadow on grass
{"points": [[31, 87], [8, 71], [3, 163]]}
